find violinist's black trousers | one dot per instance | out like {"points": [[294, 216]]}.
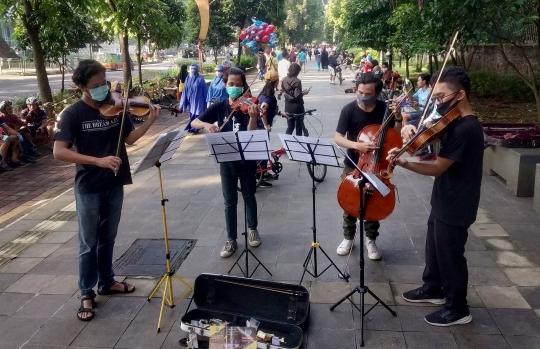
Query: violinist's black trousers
{"points": [[446, 266]]}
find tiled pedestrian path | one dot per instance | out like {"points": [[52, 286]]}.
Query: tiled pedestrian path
{"points": [[38, 288]]}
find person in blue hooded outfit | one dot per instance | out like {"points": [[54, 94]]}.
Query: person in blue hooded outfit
{"points": [[217, 91], [194, 96]]}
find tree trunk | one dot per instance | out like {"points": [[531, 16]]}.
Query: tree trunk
{"points": [[436, 61], [215, 55], [431, 64], [239, 53], [39, 60], [139, 63], [407, 65], [125, 57], [537, 97], [63, 72]]}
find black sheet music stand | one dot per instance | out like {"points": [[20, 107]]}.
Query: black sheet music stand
{"points": [[241, 146], [314, 152], [161, 151], [362, 289]]}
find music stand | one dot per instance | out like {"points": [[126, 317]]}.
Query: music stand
{"points": [[161, 151], [313, 151], [240, 146], [362, 289]]}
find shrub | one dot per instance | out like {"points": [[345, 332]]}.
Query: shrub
{"points": [[248, 61], [500, 86]]}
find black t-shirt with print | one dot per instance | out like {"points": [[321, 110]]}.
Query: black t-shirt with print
{"points": [[456, 192], [353, 119], [84, 128], [219, 112]]}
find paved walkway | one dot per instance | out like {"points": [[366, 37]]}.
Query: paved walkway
{"points": [[38, 288]]}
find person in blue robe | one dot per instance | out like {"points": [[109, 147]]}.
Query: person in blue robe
{"points": [[194, 96], [217, 91]]}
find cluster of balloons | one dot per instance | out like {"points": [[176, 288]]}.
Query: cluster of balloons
{"points": [[258, 36]]}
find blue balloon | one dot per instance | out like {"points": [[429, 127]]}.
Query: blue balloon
{"points": [[256, 22], [255, 50], [273, 37], [245, 41]]}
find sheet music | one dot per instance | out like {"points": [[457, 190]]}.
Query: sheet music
{"points": [[297, 149], [223, 146], [255, 144], [167, 155], [162, 144]]}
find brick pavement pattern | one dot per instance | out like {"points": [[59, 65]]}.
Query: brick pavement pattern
{"points": [[38, 276]]}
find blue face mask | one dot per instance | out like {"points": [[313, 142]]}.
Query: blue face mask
{"points": [[99, 93]]}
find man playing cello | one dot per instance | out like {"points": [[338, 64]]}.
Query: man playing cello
{"points": [[365, 110], [454, 201]]}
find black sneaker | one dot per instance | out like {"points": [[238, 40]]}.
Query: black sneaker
{"points": [[418, 296], [448, 317], [265, 184]]}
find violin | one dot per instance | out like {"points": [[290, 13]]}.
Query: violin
{"points": [[242, 104], [348, 195], [138, 106]]}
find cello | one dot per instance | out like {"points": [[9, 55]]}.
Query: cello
{"points": [[348, 194]]}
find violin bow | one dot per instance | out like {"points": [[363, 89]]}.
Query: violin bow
{"points": [[232, 112], [120, 138]]}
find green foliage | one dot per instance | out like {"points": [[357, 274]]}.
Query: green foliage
{"points": [[304, 22], [500, 86], [248, 61]]}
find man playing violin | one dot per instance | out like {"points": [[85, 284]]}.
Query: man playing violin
{"points": [[99, 180], [365, 110], [454, 201], [231, 172]]}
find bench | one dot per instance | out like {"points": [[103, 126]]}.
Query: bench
{"points": [[516, 166], [536, 201]]}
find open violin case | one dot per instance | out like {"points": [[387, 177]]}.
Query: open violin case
{"points": [[282, 309], [512, 135]]}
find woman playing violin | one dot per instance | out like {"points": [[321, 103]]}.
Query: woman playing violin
{"points": [[99, 179], [365, 110], [454, 201], [242, 119]]}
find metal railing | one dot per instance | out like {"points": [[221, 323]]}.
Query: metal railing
{"points": [[22, 66]]}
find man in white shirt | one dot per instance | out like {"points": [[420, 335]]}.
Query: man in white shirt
{"points": [[283, 69]]}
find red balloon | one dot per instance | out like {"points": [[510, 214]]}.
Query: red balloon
{"points": [[243, 35], [264, 25], [270, 29], [265, 38]]}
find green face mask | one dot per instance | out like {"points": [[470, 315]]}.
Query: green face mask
{"points": [[235, 92]]}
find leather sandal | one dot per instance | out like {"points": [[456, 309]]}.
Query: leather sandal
{"points": [[82, 309], [108, 292]]}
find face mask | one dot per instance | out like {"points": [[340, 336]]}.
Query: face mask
{"points": [[99, 93], [384, 70], [366, 100], [444, 108], [235, 92], [193, 73]]}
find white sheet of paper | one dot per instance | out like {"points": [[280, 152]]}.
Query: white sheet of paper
{"points": [[161, 146], [223, 146], [167, 155], [255, 144]]}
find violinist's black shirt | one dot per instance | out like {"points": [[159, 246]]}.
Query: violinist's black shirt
{"points": [[84, 128], [353, 119], [219, 112], [456, 192]]}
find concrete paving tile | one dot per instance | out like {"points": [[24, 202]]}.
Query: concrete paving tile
{"points": [[62, 284], [523, 342], [423, 340], [330, 338], [378, 319], [40, 250], [412, 319], [65, 252], [381, 339], [58, 266], [402, 257], [474, 243], [58, 331], [150, 312], [531, 295], [381, 290], [374, 271], [480, 259], [321, 317], [58, 237], [512, 259], [43, 346], [289, 272], [20, 265], [505, 244], [10, 303], [516, 322], [10, 235], [101, 333], [30, 283], [488, 276], [484, 218], [404, 274], [69, 226], [141, 335], [119, 307], [15, 331], [328, 292], [482, 323], [43, 305], [501, 297], [523, 276], [7, 279], [70, 307], [488, 229], [476, 341], [473, 299], [23, 224]]}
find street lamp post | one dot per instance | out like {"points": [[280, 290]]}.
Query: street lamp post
{"points": [[389, 57]]}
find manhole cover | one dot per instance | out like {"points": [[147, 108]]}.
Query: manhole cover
{"points": [[146, 257]]}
